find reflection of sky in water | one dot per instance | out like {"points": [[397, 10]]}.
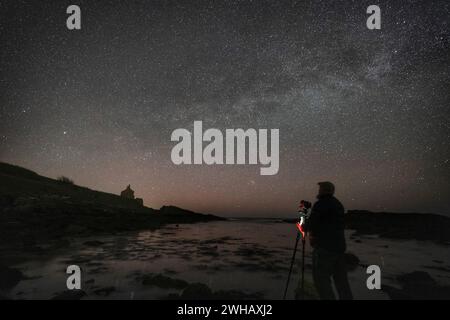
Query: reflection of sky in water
{"points": [[250, 256]]}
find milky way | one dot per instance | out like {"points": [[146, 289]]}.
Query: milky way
{"points": [[366, 109]]}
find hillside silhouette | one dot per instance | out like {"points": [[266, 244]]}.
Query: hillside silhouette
{"points": [[36, 207]]}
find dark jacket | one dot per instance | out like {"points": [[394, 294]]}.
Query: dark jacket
{"points": [[326, 224]]}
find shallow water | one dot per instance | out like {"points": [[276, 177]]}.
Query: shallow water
{"points": [[246, 255]]}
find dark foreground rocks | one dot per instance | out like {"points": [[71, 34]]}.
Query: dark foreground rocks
{"points": [[70, 295], [9, 277], [193, 291], [161, 281], [106, 291], [200, 291], [418, 285]]}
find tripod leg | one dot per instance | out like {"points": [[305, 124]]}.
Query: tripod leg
{"points": [[303, 268], [292, 264]]}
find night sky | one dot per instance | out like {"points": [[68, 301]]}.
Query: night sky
{"points": [[366, 109]]}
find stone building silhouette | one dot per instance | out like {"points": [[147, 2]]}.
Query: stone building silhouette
{"points": [[128, 193]]}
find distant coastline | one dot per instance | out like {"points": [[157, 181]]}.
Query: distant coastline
{"points": [[406, 226]]}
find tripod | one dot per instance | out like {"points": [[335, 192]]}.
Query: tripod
{"points": [[302, 234], [292, 265]]}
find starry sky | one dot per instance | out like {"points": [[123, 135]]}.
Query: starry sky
{"points": [[366, 109]]}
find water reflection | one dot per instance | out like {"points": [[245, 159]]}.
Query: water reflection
{"points": [[246, 255]]}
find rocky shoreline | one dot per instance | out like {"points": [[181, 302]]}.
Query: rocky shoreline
{"points": [[406, 226], [36, 209], [400, 226]]}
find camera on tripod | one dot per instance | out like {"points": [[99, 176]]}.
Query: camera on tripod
{"points": [[305, 204], [303, 208], [303, 213]]}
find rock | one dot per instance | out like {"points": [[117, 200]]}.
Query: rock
{"points": [[171, 296], [106, 291], [93, 243], [170, 271], [186, 216], [62, 243], [200, 291], [94, 264], [416, 278], [197, 291], [98, 270], [29, 242], [6, 201], [438, 268], [418, 285], [237, 295], [70, 295], [162, 281], [395, 294], [9, 277]]}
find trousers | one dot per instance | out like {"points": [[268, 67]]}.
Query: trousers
{"points": [[328, 266]]}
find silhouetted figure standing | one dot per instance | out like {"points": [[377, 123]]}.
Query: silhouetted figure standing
{"points": [[326, 234]]}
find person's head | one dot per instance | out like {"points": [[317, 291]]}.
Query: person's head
{"points": [[326, 188]]}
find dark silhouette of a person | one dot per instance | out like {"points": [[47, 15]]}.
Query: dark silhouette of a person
{"points": [[326, 233]]}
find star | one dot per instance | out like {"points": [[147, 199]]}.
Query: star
{"points": [[365, 109]]}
